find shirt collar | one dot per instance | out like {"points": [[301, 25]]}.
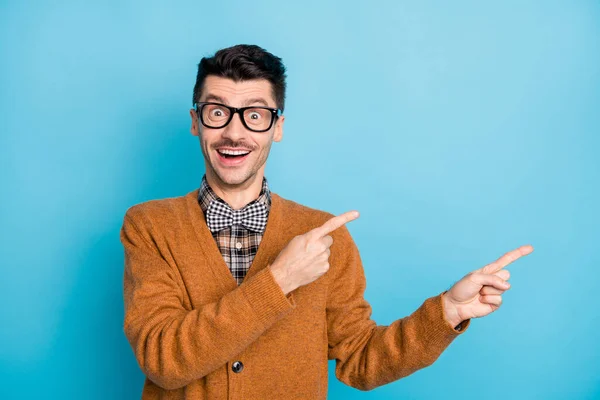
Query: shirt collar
{"points": [[206, 195]]}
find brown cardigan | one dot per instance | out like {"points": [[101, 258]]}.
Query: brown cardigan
{"points": [[196, 334]]}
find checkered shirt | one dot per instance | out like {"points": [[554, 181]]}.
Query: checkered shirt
{"points": [[237, 244]]}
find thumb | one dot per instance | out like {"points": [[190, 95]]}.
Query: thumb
{"points": [[489, 280]]}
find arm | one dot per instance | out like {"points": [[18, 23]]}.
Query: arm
{"points": [[174, 346], [369, 355]]}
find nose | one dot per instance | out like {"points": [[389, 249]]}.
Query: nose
{"points": [[235, 129]]}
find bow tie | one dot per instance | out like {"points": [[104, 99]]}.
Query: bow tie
{"points": [[220, 216]]}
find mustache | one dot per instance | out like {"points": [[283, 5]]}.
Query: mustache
{"points": [[229, 143]]}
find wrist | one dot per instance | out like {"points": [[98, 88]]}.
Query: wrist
{"points": [[450, 310], [280, 278]]}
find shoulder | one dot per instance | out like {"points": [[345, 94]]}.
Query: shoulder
{"points": [[306, 218], [296, 211], [155, 211]]}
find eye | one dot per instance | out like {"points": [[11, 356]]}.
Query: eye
{"points": [[217, 112], [254, 115]]}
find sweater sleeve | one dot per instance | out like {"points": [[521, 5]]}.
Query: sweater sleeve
{"points": [[370, 355], [173, 345]]}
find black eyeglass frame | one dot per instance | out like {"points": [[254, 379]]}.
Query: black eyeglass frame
{"points": [[276, 113]]}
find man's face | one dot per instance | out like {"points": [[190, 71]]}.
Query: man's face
{"points": [[238, 170]]}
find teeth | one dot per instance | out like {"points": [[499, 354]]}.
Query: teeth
{"points": [[233, 152]]}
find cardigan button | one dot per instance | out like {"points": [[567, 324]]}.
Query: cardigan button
{"points": [[237, 367]]}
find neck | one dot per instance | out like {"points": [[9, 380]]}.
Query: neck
{"points": [[237, 196]]}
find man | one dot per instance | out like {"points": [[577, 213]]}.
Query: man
{"points": [[233, 292]]}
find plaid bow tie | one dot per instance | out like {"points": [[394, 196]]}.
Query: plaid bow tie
{"points": [[220, 216]]}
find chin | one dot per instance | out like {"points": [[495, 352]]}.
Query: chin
{"points": [[233, 177]]}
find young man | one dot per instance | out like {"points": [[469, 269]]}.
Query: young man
{"points": [[233, 292]]}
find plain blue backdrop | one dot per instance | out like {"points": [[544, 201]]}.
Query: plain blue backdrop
{"points": [[460, 130]]}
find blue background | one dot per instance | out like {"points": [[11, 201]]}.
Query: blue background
{"points": [[459, 131]]}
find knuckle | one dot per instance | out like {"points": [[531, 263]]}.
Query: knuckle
{"points": [[305, 245], [323, 246], [473, 276], [318, 248], [301, 238]]}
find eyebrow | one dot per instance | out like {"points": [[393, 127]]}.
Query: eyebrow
{"points": [[214, 97]]}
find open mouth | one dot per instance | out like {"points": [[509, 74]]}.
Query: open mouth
{"points": [[232, 157]]}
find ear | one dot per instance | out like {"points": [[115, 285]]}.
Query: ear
{"points": [[194, 128], [278, 135]]}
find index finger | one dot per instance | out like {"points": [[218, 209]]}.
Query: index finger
{"points": [[506, 259], [334, 223]]}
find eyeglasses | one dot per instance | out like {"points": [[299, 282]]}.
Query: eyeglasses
{"points": [[254, 118]]}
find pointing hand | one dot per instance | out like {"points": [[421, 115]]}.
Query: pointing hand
{"points": [[306, 256], [479, 293]]}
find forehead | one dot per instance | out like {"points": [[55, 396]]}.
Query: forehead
{"points": [[237, 93]]}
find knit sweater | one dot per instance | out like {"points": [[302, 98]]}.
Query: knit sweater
{"points": [[197, 334]]}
